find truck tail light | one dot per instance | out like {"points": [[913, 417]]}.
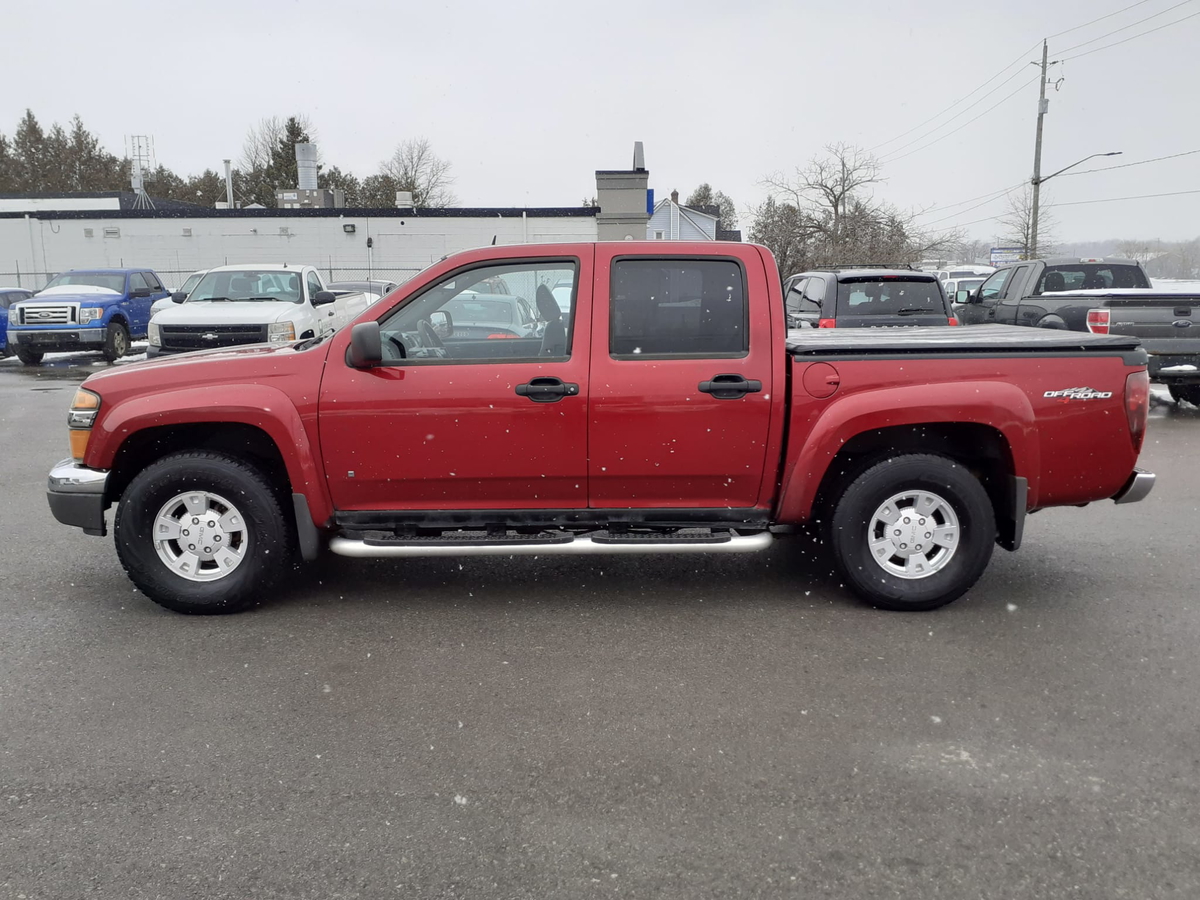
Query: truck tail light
{"points": [[1097, 321], [952, 321], [826, 323], [1137, 406]]}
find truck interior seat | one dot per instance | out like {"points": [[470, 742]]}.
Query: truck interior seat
{"points": [[1053, 282], [554, 338]]}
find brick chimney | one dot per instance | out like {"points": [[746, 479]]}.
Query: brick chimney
{"points": [[675, 197]]}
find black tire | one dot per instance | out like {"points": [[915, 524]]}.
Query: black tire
{"points": [[29, 357], [851, 529], [116, 341], [1188, 392], [268, 537]]}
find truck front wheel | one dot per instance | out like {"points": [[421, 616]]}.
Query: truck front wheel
{"points": [[29, 357], [913, 533], [116, 341], [202, 533]]}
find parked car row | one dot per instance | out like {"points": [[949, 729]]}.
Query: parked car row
{"points": [[108, 309]]}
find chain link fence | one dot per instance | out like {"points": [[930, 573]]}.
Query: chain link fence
{"points": [[173, 279]]}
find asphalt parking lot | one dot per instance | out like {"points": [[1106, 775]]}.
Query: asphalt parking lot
{"points": [[664, 727]]}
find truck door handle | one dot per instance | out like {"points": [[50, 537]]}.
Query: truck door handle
{"points": [[547, 390], [730, 387]]}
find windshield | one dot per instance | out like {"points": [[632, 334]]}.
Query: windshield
{"points": [[112, 281], [248, 284], [467, 309], [889, 295], [191, 283]]}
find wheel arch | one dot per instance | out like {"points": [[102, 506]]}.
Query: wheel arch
{"points": [[995, 438]]}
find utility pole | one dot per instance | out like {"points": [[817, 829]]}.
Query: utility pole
{"points": [[1037, 161]]}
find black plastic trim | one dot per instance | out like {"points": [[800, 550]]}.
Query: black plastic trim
{"points": [[717, 517], [1012, 521], [307, 536], [79, 510]]}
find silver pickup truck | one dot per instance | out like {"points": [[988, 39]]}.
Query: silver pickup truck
{"points": [[1100, 295]]}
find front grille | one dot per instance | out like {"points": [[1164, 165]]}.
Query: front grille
{"points": [[203, 337], [47, 314]]}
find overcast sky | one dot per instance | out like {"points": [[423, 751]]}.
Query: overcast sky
{"points": [[528, 98]]}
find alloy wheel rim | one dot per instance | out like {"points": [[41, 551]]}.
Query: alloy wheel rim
{"points": [[200, 536], [913, 534]]}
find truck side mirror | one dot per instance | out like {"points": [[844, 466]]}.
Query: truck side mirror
{"points": [[322, 298], [962, 296], [366, 345], [178, 297], [442, 322]]}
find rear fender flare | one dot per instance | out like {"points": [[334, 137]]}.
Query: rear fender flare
{"points": [[261, 406], [998, 405]]}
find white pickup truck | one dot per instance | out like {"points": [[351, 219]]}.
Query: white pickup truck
{"points": [[252, 304]]}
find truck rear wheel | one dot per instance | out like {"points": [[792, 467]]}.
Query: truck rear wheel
{"points": [[116, 341], [202, 533], [1188, 392], [913, 533], [29, 357]]}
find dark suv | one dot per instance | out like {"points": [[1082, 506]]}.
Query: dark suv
{"points": [[865, 297]]}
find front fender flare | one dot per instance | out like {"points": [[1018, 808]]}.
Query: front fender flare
{"points": [[998, 405], [257, 405]]}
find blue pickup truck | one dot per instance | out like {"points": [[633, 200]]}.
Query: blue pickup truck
{"points": [[85, 309]]}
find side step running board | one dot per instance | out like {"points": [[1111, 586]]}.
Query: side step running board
{"points": [[583, 545]]}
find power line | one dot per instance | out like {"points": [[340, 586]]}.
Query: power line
{"points": [[971, 199], [1131, 37], [1139, 163], [1135, 197], [1082, 202], [1161, 12], [992, 199], [1100, 19], [1003, 99], [956, 102], [961, 112]]}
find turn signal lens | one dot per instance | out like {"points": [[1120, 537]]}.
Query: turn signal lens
{"points": [[1137, 406], [80, 419], [952, 321], [826, 323]]}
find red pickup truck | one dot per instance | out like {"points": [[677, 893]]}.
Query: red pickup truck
{"points": [[658, 404]]}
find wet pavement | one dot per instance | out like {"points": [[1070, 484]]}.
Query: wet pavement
{"points": [[663, 727]]}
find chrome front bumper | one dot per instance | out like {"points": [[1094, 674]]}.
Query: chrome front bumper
{"points": [[76, 496], [1136, 488]]}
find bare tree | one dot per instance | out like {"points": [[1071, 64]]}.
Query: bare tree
{"points": [[831, 182], [825, 214], [415, 167], [1017, 223]]}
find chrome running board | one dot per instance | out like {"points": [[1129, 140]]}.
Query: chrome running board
{"points": [[583, 545]]}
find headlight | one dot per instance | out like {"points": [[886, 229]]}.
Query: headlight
{"points": [[281, 332], [80, 419], [89, 315], [14, 317], [154, 335]]}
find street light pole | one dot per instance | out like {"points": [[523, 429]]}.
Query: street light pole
{"points": [[1031, 250]]}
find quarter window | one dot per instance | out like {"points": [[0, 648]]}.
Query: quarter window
{"points": [[677, 307]]}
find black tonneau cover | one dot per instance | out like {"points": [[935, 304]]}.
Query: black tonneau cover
{"points": [[986, 339]]}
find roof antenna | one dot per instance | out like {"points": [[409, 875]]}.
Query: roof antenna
{"points": [[493, 240]]}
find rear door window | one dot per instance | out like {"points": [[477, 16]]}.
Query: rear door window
{"points": [[678, 307], [1090, 277], [889, 295]]}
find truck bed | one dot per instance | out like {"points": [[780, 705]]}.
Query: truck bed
{"points": [[972, 339]]}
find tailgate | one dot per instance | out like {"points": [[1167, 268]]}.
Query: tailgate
{"points": [[1168, 325]]}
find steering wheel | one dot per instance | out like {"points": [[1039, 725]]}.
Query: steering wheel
{"points": [[428, 336]]}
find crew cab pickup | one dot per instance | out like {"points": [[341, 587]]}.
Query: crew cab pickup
{"points": [[1102, 296], [251, 304], [85, 309], [668, 410]]}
